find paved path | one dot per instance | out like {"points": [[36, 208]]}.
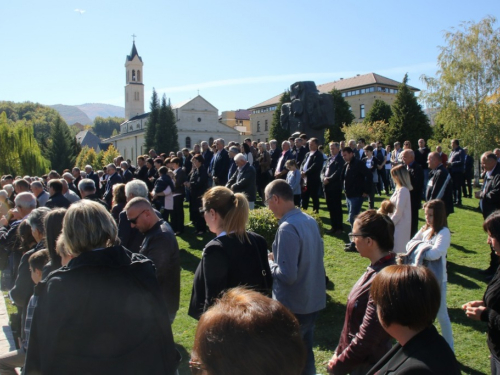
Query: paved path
{"points": [[6, 339]]}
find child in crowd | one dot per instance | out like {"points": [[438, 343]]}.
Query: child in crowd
{"points": [[293, 179], [386, 207]]}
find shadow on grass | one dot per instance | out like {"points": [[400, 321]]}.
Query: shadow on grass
{"points": [[457, 315], [184, 365], [463, 249], [189, 262], [455, 272], [469, 371], [329, 325]]}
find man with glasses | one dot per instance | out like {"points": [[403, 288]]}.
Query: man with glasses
{"points": [[297, 263], [159, 245]]}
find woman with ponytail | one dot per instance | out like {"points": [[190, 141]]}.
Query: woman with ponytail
{"points": [[234, 257]]}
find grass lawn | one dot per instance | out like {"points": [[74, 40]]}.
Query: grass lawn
{"points": [[468, 254]]}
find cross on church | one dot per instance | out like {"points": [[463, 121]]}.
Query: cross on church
{"points": [[133, 36]]}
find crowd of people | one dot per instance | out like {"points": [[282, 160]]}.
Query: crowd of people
{"points": [[91, 259]]}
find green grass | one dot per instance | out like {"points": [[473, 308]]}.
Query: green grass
{"points": [[468, 254]]}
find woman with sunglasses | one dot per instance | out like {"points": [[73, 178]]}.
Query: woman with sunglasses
{"points": [[235, 257], [363, 341]]}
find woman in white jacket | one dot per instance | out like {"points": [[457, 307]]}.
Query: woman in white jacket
{"points": [[402, 212], [436, 233]]}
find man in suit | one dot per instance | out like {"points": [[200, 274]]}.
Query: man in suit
{"points": [[286, 154], [142, 170], [456, 168], [490, 199], [127, 175], [421, 157], [93, 176], [220, 166], [187, 161], [332, 187], [301, 151], [468, 173], [114, 178], [357, 180], [207, 154], [57, 199], [311, 173], [275, 153], [360, 153], [244, 179], [439, 185], [417, 182], [177, 219], [233, 151]]}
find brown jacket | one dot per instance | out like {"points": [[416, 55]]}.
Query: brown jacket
{"points": [[264, 160]]}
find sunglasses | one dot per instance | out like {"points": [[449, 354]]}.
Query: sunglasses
{"points": [[134, 220]]}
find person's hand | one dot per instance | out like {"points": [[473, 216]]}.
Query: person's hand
{"points": [[477, 194], [331, 364], [4, 221], [270, 256], [16, 214], [474, 313], [465, 306]]}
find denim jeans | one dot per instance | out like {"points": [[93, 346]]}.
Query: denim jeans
{"points": [[307, 322], [444, 319], [354, 207], [495, 365]]}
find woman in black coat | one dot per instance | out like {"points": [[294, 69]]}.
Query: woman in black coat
{"points": [[235, 257], [198, 185], [103, 313]]}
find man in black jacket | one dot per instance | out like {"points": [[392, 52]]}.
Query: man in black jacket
{"points": [[311, 173], [207, 155], [244, 180], [275, 153], [281, 171], [88, 191], [159, 245], [456, 168], [221, 164], [93, 176], [490, 199], [114, 178], [468, 173], [440, 184], [417, 182], [142, 170], [357, 181], [177, 218], [57, 199], [332, 187], [127, 175]]}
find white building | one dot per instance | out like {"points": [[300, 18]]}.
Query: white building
{"points": [[197, 119]]}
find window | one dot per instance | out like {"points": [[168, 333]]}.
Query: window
{"points": [[210, 142], [362, 111], [266, 127], [132, 153], [258, 126], [362, 91], [343, 94], [357, 92], [139, 76], [133, 75], [137, 126], [188, 142]]}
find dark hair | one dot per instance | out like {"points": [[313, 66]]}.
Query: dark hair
{"points": [[439, 212], [175, 160], [141, 158], [159, 161], [281, 189], [163, 170], [362, 140], [119, 194], [245, 321], [456, 141], [199, 158], [39, 259], [378, 227], [492, 225], [347, 149], [26, 240], [150, 161], [56, 185], [406, 295], [246, 148], [22, 185], [53, 223], [368, 148]]}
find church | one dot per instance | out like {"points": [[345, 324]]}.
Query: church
{"points": [[197, 119]]}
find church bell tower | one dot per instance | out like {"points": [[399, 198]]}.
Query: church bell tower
{"points": [[134, 88]]}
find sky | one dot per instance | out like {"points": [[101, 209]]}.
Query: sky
{"points": [[236, 53]]}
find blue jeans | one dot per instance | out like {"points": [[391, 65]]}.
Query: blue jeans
{"points": [[495, 365], [354, 207], [306, 322]]}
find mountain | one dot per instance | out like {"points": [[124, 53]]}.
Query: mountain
{"points": [[92, 110], [71, 114]]}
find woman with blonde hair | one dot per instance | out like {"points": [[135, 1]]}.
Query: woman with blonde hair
{"points": [[402, 203], [119, 201], [69, 325], [235, 257]]}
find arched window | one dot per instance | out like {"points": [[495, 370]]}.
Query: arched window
{"points": [[210, 142], [138, 76], [127, 74], [133, 75], [188, 142]]}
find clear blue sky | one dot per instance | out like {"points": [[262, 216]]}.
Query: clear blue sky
{"points": [[237, 53]]}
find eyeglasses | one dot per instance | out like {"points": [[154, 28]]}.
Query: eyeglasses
{"points": [[354, 235], [134, 220], [266, 202], [195, 367]]}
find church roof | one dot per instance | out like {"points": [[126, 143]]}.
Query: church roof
{"points": [[133, 53], [87, 138]]}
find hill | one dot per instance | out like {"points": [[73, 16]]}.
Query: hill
{"points": [[72, 114], [92, 110]]}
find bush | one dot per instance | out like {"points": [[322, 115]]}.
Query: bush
{"points": [[262, 221]]}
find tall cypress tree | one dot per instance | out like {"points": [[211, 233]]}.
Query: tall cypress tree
{"points": [[408, 121], [61, 150], [154, 114], [162, 143], [380, 111], [172, 128], [276, 131], [343, 117]]}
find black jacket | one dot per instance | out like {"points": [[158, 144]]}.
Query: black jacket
{"points": [[207, 158], [425, 353], [437, 179], [127, 176], [95, 198], [198, 183], [275, 155], [112, 181], [220, 167], [58, 201], [94, 177], [281, 163], [491, 192], [456, 160], [101, 314], [314, 167], [244, 181], [469, 166], [301, 156], [491, 314], [142, 174], [421, 156], [227, 263], [160, 245], [357, 178], [130, 238], [332, 173], [180, 178], [417, 182]]}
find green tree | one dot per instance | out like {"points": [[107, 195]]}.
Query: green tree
{"points": [[152, 124], [343, 117], [408, 121], [82, 155], [370, 131], [62, 151], [105, 127], [277, 131], [380, 111], [91, 159], [467, 79], [109, 155], [166, 139]]}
